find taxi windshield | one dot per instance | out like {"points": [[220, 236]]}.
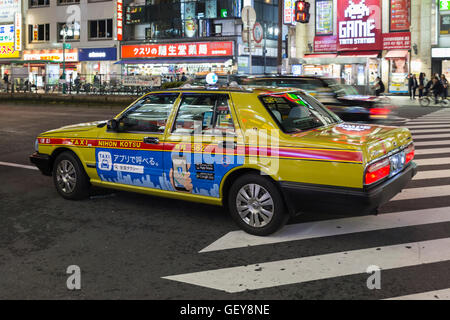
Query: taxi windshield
{"points": [[296, 112]]}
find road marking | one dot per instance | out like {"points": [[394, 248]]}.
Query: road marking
{"points": [[430, 136], [443, 294], [428, 122], [431, 131], [423, 192], [432, 151], [432, 174], [432, 161], [432, 143], [334, 227], [313, 268], [421, 126], [9, 164]]}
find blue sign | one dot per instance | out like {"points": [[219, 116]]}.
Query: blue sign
{"points": [[97, 54]]}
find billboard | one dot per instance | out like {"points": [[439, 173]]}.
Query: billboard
{"points": [[7, 42], [359, 25], [400, 15], [324, 17], [8, 9]]}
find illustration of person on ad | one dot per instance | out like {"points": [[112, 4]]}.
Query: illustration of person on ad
{"points": [[179, 175]]}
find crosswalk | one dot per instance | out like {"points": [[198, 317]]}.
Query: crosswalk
{"points": [[431, 135]]}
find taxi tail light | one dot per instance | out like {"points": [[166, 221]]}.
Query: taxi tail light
{"points": [[380, 111], [409, 152], [377, 171]]}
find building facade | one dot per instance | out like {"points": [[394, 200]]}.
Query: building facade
{"points": [[358, 41]]}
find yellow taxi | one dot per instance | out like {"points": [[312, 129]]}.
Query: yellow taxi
{"points": [[264, 153]]}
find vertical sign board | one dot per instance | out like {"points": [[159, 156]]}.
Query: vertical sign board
{"points": [[18, 31], [119, 20], [359, 25], [400, 15], [8, 8], [324, 17]]}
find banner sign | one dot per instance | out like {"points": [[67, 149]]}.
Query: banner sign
{"points": [[324, 17], [177, 50], [97, 54], [18, 31], [325, 44], [397, 40], [359, 25], [7, 42], [55, 55], [400, 15], [119, 20], [142, 81]]}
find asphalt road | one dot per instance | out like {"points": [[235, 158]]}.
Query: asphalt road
{"points": [[132, 246]]}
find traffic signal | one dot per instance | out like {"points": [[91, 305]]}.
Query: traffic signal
{"points": [[302, 11]]}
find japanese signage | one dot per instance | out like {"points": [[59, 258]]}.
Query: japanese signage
{"points": [[176, 50], [7, 41], [119, 20], [397, 40], [18, 31], [359, 25], [324, 17], [135, 15], [55, 55], [288, 12], [444, 5], [325, 44], [400, 15], [142, 81], [8, 8], [97, 54]]}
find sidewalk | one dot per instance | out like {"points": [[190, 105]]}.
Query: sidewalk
{"points": [[403, 101]]}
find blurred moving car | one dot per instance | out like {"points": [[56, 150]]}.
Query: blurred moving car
{"points": [[342, 99]]}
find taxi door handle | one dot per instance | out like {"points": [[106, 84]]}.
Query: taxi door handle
{"points": [[227, 144], [151, 140]]}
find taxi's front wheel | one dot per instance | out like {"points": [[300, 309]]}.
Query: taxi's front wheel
{"points": [[256, 205], [69, 177]]}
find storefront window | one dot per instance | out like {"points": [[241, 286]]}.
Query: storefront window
{"points": [[445, 24], [72, 33], [39, 32], [39, 3], [100, 29], [398, 82]]}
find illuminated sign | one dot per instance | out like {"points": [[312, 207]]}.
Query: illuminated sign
{"points": [[7, 41], [7, 50], [6, 33], [8, 9], [397, 40], [97, 54], [288, 12], [55, 55], [444, 5], [324, 17], [18, 31], [400, 15], [176, 50], [119, 19], [359, 25]]}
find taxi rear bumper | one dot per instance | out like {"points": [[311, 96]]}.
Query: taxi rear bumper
{"points": [[306, 197], [43, 162]]}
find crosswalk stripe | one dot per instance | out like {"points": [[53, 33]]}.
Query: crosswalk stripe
{"points": [[313, 268], [424, 126], [432, 174], [423, 192], [432, 161], [431, 131], [432, 143], [443, 294], [430, 136], [432, 151], [334, 227], [9, 164]]}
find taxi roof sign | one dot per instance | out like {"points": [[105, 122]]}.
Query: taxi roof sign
{"points": [[212, 78]]}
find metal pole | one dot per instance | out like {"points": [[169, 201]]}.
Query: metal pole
{"points": [[249, 45], [64, 60], [280, 35], [264, 46]]}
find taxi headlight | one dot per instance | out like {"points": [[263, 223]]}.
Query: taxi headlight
{"points": [[36, 145]]}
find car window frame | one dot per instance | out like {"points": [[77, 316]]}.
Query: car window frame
{"points": [[174, 120]]}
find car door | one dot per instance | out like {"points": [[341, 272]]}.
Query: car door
{"points": [[201, 146], [133, 153]]}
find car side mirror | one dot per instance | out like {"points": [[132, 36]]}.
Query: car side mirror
{"points": [[113, 125]]}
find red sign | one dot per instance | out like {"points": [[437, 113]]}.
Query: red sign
{"points": [[119, 19], [176, 50], [359, 25], [325, 44], [397, 40], [400, 15]]}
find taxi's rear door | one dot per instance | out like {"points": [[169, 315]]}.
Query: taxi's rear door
{"points": [[133, 155], [201, 145]]}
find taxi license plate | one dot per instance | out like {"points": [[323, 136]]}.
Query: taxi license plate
{"points": [[397, 162]]}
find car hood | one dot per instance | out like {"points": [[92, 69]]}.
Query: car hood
{"points": [[75, 128], [374, 141]]}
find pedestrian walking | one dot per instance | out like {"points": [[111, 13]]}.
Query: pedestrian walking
{"points": [[422, 84], [412, 86], [6, 81], [444, 83], [379, 86], [437, 89]]}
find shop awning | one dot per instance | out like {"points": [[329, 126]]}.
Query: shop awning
{"points": [[173, 61], [396, 54], [320, 55], [359, 54]]}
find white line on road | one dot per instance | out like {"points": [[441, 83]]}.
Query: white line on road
{"points": [[334, 227], [443, 294], [432, 151], [431, 131], [432, 143], [299, 270], [430, 136], [9, 164], [432, 161], [422, 126], [432, 174], [423, 192]]}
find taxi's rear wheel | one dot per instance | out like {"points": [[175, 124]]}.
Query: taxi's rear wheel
{"points": [[256, 205], [69, 177]]}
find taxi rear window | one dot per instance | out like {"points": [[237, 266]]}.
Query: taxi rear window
{"points": [[297, 112]]}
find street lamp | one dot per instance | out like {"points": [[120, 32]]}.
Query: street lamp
{"points": [[64, 32]]}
